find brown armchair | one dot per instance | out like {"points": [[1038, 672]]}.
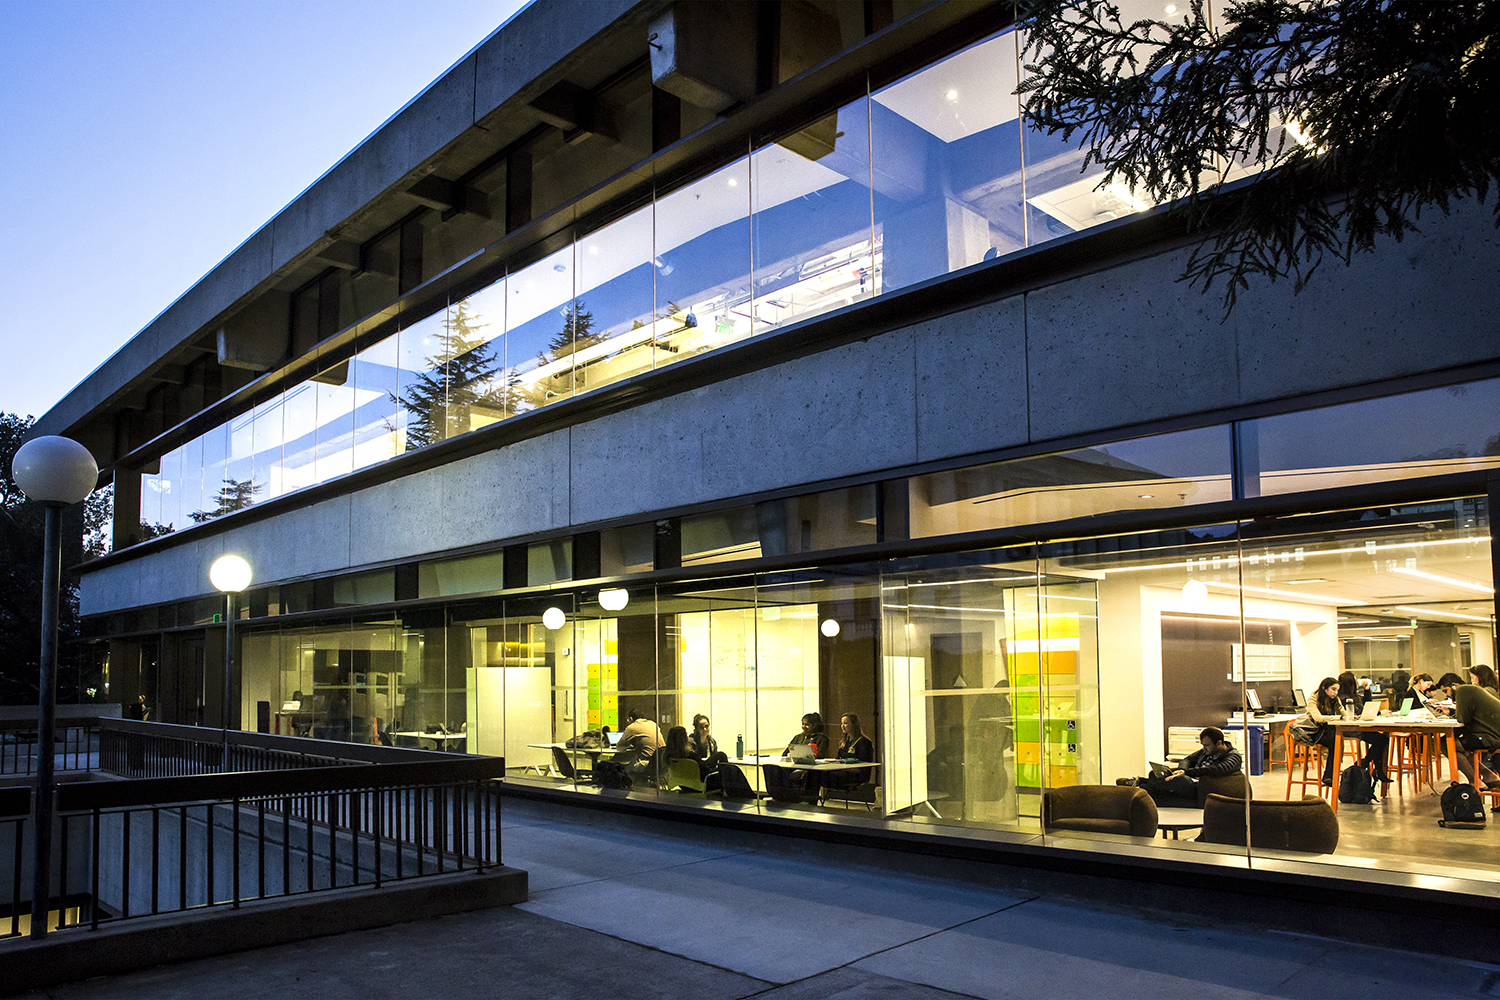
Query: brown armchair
{"points": [[1234, 786], [1100, 809], [1309, 826]]}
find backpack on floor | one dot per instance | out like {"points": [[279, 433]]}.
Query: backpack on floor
{"points": [[612, 774], [1355, 786], [1462, 808]]}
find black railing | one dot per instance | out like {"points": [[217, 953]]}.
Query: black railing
{"points": [[76, 745], [289, 816], [15, 807], [156, 750], [158, 845]]}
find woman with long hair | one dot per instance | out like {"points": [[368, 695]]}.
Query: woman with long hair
{"points": [[854, 746], [1324, 710], [1485, 677]]}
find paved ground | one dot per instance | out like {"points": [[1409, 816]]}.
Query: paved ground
{"points": [[633, 909]]}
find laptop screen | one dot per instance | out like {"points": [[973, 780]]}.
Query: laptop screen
{"points": [[1298, 699], [614, 738]]}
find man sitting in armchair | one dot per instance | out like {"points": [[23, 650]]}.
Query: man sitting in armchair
{"points": [[1180, 787]]}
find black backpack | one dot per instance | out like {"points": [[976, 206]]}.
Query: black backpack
{"points": [[1355, 786], [611, 774], [1462, 807]]}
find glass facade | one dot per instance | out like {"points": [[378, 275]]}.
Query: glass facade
{"points": [[927, 175], [990, 683]]}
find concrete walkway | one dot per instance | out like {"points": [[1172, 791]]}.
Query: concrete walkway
{"points": [[639, 908]]}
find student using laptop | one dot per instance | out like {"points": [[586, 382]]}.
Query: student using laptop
{"points": [[1179, 786], [798, 784], [1478, 715], [1352, 698]]}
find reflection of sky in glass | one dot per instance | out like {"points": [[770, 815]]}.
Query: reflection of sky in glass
{"points": [[1450, 422], [1203, 451]]}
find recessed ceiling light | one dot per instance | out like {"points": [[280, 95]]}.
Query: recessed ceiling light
{"points": [[1316, 579], [1147, 496], [952, 95], [733, 182]]}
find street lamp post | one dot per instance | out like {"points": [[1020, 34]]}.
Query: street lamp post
{"points": [[231, 574], [56, 472]]}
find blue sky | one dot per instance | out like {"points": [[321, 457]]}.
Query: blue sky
{"points": [[141, 142]]}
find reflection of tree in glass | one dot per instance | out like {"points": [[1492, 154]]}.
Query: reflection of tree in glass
{"points": [[151, 530], [576, 334], [235, 494], [98, 518], [460, 377]]}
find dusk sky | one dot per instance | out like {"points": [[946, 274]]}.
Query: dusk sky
{"points": [[144, 141]]}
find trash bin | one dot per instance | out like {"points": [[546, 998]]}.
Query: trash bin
{"points": [[1252, 744]]}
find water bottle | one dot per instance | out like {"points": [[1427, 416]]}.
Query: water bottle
{"points": [[739, 746]]}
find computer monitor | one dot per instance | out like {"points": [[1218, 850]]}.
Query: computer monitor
{"points": [[1252, 699], [1298, 700]]}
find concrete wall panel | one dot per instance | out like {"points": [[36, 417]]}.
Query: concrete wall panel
{"points": [[1124, 346], [833, 414], [971, 381], [1425, 303], [512, 491]]}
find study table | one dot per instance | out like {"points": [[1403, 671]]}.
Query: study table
{"points": [[1390, 725], [593, 752]]}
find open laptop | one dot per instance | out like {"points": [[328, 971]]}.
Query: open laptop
{"points": [[802, 753], [1299, 700], [614, 738], [1407, 706], [1159, 770], [1369, 712]]}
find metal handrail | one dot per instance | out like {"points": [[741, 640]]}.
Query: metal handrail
{"points": [[251, 784]]}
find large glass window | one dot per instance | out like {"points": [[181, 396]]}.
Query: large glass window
{"points": [[702, 264], [813, 246], [947, 154], [1167, 470]]}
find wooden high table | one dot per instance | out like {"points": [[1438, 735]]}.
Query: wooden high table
{"points": [[1391, 724]]}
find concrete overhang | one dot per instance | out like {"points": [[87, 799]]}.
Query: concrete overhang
{"points": [[477, 102]]}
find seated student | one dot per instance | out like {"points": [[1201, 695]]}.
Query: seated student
{"points": [[1420, 686], [1314, 727], [1478, 715], [1400, 690], [1180, 787], [1484, 676], [797, 784], [1376, 744], [855, 745], [703, 746], [639, 741]]}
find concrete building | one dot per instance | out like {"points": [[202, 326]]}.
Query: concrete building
{"points": [[756, 361]]}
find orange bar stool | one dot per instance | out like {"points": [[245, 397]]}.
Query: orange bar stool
{"points": [[1304, 754]]}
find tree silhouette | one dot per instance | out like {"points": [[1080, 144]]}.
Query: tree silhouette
{"points": [[1358, 115], [460, 378]]}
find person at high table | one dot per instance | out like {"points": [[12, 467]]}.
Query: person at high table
{"points": [[1314, 728], [1180, 787], [796, 784], [1376, 744], [1478, 715]]}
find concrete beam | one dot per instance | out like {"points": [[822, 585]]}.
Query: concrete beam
{"points": [[706, 54]]}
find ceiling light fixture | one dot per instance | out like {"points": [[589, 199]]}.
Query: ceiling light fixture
{"points": [[1444, 614], [1450, 581]]}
